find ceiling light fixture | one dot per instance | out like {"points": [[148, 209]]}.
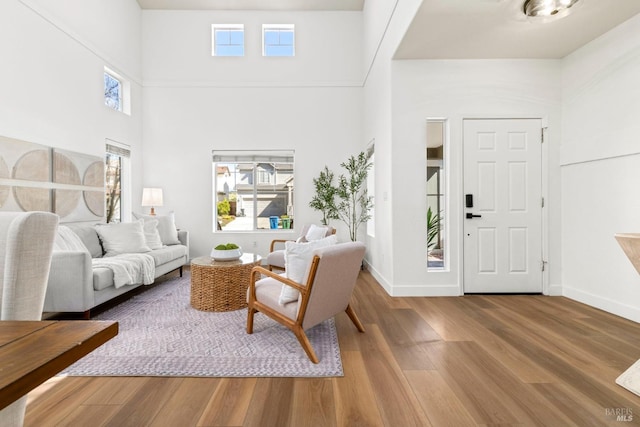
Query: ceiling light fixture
{"points": [[546, 8]]}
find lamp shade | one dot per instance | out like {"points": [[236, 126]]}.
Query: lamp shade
{"points": [[152, 197]]}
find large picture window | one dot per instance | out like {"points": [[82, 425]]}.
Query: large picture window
{"points": [[253, 190]]}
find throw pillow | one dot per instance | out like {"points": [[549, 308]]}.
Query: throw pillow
{"points": [[315, 232], [166, 227], [297, 261], [122, 238], [151, 234]]}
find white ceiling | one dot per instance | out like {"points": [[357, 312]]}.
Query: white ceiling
{"points": [[463, 29], [474, 29]]}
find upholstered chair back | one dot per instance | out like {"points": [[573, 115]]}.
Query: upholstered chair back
{"points": [[26, 243], [334, 281]]}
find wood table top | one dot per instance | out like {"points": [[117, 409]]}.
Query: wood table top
{"points": [[31, 352]]}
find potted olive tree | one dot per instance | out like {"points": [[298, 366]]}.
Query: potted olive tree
{"points": [[348, 201]]}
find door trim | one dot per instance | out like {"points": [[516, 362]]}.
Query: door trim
{"points": [[544, 121]]}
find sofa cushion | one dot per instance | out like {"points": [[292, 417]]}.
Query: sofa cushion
{"points": [[102, 278], [166, 227], [89, 237], [151, 234], [168, 254], [122, 238], [67, 240]]}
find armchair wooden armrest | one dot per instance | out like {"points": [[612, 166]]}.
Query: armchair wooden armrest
{"points": [[274, 242]]}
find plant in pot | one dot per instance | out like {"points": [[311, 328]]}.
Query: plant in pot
{"points": [[323, 200], [353, 202], [226, 252]]}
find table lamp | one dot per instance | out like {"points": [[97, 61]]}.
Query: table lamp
{"points": [[152, 197]]}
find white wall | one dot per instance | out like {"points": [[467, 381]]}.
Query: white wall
{"points": [[455, 90], [51, 80], [600, 165], [195, 103], [384, 24]]}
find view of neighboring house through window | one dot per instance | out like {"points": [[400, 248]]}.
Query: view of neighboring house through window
{"points": [[227, 39], [254, 190], [117, 188], [278, 40]]}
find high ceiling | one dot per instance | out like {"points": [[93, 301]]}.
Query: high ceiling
{"points": [[463, 29]]}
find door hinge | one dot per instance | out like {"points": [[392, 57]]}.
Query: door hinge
{"points": [[542, 136], [542, 202], [544, 263]]}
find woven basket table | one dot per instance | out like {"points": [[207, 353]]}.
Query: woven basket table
{"points": [[221, 285]]}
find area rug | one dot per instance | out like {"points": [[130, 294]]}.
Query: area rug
{"points": [[160, 334], [630, 379]]}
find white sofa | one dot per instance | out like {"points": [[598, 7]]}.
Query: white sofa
{"points": [[77, 280]]}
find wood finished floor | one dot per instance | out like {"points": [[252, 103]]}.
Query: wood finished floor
{"points": [[459, 361]]}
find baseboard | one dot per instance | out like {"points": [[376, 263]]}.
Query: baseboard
{"points": [[379, 278], [605, 304], [554, 290], [426, 291]]}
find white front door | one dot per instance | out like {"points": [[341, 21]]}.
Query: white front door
{"points": [[503, 206]]}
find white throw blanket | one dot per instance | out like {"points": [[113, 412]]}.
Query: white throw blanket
{"points": [[129, 269]]}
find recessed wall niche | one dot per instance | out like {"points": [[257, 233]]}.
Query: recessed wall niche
{"points": [[37, 177]]}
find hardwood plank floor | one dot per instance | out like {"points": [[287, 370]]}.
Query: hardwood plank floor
{"points": [[459, 361]]}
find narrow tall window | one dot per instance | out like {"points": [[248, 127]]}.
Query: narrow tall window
{"points": [[371, 189], [117, 187], [278, 40], [436, 194], [253, 190], [227, 39]]}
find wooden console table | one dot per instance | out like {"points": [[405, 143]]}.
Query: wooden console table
{"points": [[31, 352]]}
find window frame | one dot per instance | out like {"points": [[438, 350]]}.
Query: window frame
{"points": [[227, 166], [123, 152], [124, 100], [229, 27], [279, 28]]}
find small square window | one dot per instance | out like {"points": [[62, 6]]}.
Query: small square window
{"points": [[278, 40], [227, 40]]}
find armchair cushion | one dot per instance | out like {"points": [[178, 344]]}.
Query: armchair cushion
{"points": [[316, 232], [297, 257]]}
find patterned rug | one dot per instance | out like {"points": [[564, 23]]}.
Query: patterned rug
{"points": [[160, 334]]}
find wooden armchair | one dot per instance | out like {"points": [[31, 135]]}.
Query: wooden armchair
{"points": [[330, 281], [275, 259]]}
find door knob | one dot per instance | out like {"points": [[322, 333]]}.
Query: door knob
{"points": [[471, 216]]}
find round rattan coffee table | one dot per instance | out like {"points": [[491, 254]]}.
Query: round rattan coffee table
{"points": [[221, 285]]}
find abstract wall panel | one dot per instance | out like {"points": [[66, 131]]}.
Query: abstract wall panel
{"points": [[37, 177]]}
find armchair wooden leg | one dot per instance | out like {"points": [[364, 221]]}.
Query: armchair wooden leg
{"points": [[306, 344], [354, 318], [250, 312]]}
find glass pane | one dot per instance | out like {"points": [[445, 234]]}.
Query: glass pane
{"points": [[248, 195], [223, 37], [236, 37], [279, 50], [286, 37], [113, 187], [435, 195], [231, 50], [112, 91], [271, 37]]}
